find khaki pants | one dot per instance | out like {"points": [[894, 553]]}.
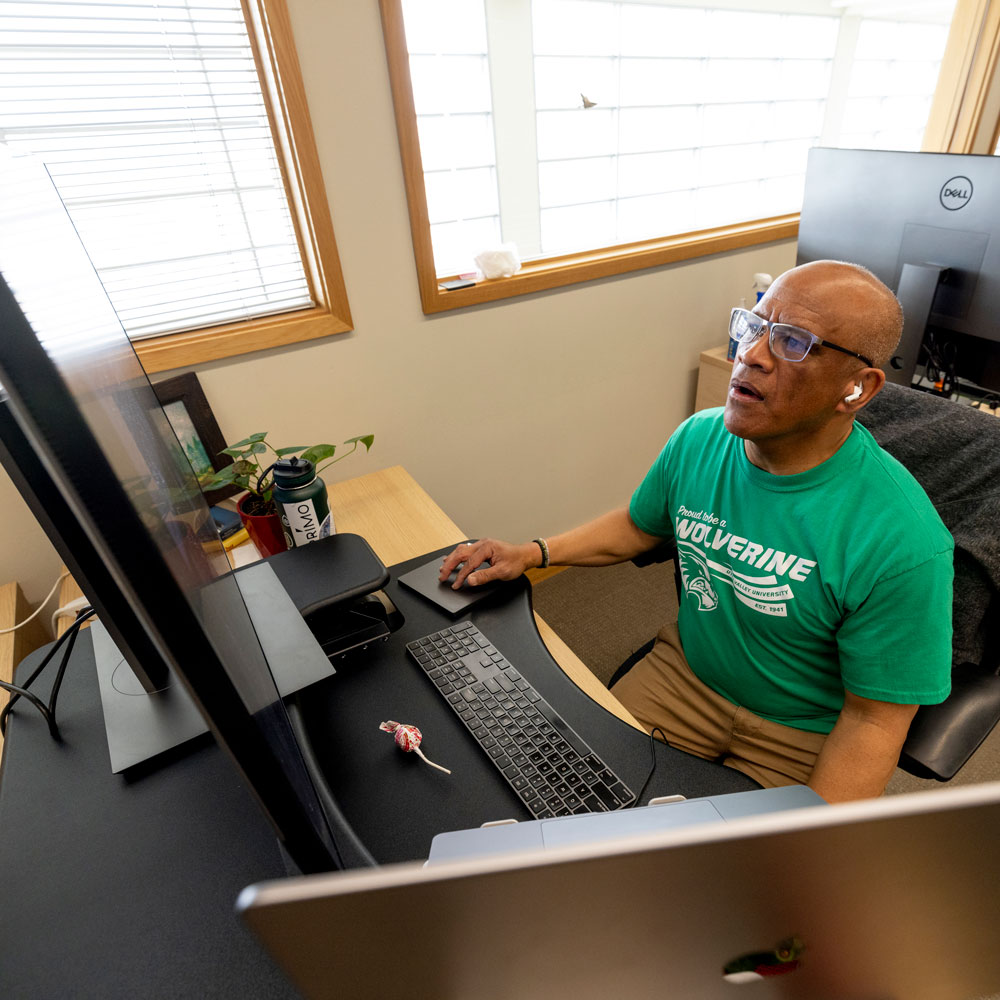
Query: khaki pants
{"points": [[661, 691]]}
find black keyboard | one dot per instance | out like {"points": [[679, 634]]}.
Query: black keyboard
{"points": [[553, 770]]}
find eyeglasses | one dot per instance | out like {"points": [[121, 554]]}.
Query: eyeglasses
{"points": [[790, 343]]}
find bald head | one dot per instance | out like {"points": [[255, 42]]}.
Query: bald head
{"points": [[856, 301]]}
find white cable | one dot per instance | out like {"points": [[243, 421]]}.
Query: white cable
{"points": [[55, 587], [68, 611]]}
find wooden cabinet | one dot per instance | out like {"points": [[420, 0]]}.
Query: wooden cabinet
{"points": [[14, 646], [714, 373]]}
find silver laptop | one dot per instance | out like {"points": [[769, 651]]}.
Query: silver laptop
{"points": [[592, 828], [894, 898]]}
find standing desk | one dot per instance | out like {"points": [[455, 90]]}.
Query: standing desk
{"points": [[123, 886], [400, 521]]}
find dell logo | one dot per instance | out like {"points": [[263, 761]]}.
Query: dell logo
{"points": [[956, 193]]}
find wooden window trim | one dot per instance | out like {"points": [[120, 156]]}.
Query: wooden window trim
{"points": [[966, 112], [284, 96], [962, 105]]}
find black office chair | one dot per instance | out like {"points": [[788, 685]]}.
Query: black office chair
{"points": [[953, 451]]}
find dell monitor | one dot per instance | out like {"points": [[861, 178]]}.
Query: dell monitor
{"points": [[94, 454], [928, 225]]}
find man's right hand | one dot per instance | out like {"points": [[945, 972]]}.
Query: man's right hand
{"points": [[507, 562]]}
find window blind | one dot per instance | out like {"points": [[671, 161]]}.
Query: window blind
{"points": [[151, 120]]}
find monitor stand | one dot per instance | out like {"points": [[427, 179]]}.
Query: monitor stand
{"points": [[918, 284], [141, 725]]}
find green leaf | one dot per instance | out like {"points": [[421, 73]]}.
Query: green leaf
{"points": [[281, 452], [223, 477], [242, 469], [318, 452], [258, 448], [366, 439], [253, 439], [234, 451]]}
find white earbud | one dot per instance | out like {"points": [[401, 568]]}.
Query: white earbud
{"points": [[858, 390]]}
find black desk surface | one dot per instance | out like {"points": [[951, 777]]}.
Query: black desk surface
{"points": [[119, 886]]}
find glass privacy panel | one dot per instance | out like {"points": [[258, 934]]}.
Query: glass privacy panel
{"points": [[91, 379]]}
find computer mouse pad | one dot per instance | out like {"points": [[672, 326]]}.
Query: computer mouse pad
{"points": [[424, 580]]}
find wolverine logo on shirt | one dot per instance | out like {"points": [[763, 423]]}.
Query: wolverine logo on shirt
{"points": [[763, 593]]}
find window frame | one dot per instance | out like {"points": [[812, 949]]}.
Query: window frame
{"points": [[270, 31], [964, 114]]}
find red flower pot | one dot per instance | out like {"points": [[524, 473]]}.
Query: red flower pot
{"points": [[265, 530]]}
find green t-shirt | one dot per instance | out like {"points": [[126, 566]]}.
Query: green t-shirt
{"points": [[797, 587]]}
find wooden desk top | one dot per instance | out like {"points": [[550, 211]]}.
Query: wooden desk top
{"points": [[400, 521]]}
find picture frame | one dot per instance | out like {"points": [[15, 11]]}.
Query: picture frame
{"points": [[187, 409]]}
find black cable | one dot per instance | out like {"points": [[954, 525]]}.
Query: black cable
{"points": [[64, 662], [67, 639], [18, 692], [68, 636], [652, 766]]}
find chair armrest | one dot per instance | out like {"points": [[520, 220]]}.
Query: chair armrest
{"points": [[663, 552], [943, 737]]}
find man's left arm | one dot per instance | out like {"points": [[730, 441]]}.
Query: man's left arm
{"points": [[895, 655], [861, 752]]}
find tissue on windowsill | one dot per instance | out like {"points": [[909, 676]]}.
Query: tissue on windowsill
{"points": [[499, 263]]}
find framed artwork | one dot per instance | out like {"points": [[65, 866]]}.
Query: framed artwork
{"points": [[194, 424]]}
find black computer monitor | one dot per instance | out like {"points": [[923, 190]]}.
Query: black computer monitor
{"points": [[82, 560], [928, 224], [90, 429]]}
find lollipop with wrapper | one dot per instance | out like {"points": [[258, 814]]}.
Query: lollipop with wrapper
{"points": [[408, 738]]}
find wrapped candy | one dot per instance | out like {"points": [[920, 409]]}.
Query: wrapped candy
{"points": [[408, 738]]}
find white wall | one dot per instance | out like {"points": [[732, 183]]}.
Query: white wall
{"points": [[520, 418]]}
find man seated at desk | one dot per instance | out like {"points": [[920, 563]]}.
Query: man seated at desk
{"points": [[816, 613]]}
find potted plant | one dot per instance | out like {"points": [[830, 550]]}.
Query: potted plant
{"points": [[256, 508]]}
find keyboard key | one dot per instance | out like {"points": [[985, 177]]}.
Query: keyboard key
{"points": [[603, 793], [621, 791]]}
